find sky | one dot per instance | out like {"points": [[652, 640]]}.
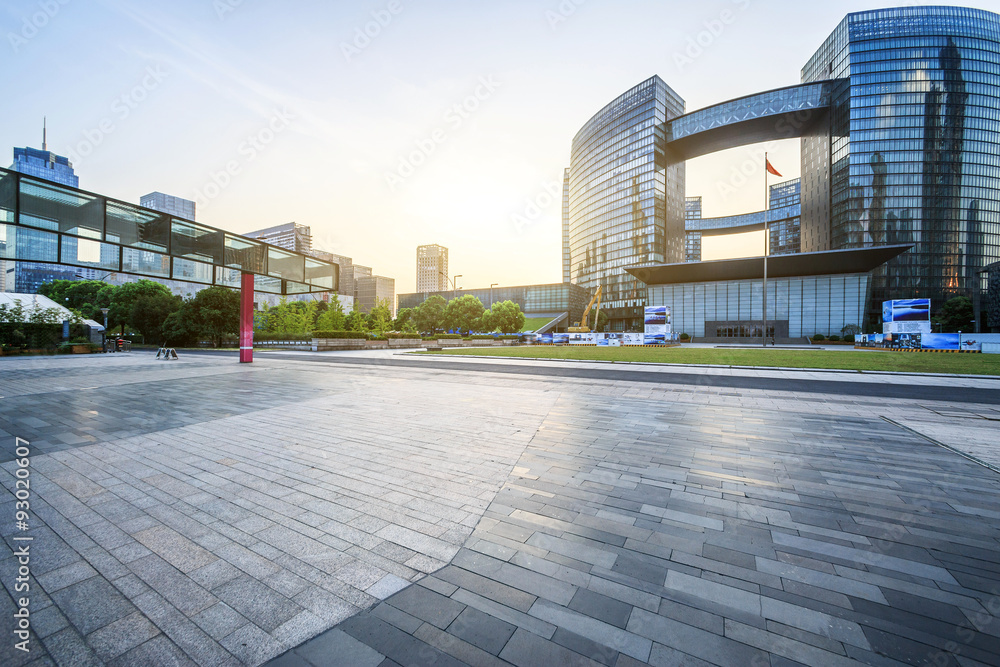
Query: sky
{"points": [[389, 124]]}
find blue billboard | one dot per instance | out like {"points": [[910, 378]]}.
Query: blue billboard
{"points": [[906, 316]]}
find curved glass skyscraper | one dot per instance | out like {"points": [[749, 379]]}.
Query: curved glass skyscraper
{"points": [[913, 150], [624, 206], [898, 113]]}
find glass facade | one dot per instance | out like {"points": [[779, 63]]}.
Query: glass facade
{"points": [[27, 277], [782, 219], [625, 207], [48, 223], [692, 239], [796, 307], [912, 155]]}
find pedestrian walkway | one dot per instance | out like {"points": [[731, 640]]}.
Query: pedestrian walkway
{"points": [[321, 513]]}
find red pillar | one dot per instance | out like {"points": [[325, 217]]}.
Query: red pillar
{"points": [[246, 319]]}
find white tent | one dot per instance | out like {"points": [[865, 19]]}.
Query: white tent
{"points": [[32, 302]]}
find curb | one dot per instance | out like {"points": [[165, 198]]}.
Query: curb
{"points": [[750, 368]]}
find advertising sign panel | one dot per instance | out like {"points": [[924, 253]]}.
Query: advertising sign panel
{"points": [[632, 339], [657, 324], [906, 316]]}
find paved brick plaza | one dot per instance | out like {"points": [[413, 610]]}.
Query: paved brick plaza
{"points": [[203, 512]]}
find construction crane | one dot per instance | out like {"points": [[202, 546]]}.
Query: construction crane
{"points": [[582, 325]]}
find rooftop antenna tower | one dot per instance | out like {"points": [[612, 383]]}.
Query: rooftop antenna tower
{"points": [[44, 132]]}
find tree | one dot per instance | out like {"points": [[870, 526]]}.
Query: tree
{"points": [[463, 313], [597, 320], [85, 296], [149, 312], [505, 317], [403, 317], [955, 315], [332, 317], [429, 316], [356, 321], [216, 313], [124, 296], [850, 330], [380, 317]]}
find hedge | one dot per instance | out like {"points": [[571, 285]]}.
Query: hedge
{"points": [[849, 338], [819, 337], [834, 338], [448, 337], [685, 336], [36, 335], [340, 334], [262, 336], [404, 336], [480, 337]]}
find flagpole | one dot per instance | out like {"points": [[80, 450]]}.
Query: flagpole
{"points": [[767, 232]]}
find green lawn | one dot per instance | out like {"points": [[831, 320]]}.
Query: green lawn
{"points": [[868, 360], [532, 323]]}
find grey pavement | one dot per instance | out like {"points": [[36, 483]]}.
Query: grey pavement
{"points": [[310, 513]]}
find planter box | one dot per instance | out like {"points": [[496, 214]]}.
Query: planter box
{"points": [[325, 344], [450, 342], [405, 342], [479, 343], [376, 344]]}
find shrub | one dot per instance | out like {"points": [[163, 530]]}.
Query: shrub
{"points": [[264, 336], [405, 336], [819, 337], [481, 337], [849, 338], [447, 337], [339, 334], [834, 338], [685, 336]]}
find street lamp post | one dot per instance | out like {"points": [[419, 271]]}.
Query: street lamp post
{"points": [[104, 334]]}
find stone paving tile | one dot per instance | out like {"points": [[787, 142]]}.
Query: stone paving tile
{"points": [[577, 521]]}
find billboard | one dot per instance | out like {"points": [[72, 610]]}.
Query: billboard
{"points": [[911, 316], [657, 315], [657, 325]]}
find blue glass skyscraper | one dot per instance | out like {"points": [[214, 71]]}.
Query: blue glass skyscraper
{"points": [[912, 151]]}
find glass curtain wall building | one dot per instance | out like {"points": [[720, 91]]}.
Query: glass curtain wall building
{"points": [[625, 207], [912, 155]]}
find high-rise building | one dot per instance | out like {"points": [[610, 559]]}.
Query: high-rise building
{"points": [[291, 236], [371, 289], [27, 277], [896, 114], [158, 201], [432, 268], [625, 205], [910, 152]]}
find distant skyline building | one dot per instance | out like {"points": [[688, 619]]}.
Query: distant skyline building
{"points": [[178, 206], [432, 268], [290, 236], [371, 289], [900, 145]]}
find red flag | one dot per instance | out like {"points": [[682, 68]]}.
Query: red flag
{"points": [[770, 168]]}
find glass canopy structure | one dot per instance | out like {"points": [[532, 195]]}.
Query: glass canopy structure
{"points": [[42, 221]]}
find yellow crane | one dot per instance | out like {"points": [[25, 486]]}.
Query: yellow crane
{"points": [[582, 326]]}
